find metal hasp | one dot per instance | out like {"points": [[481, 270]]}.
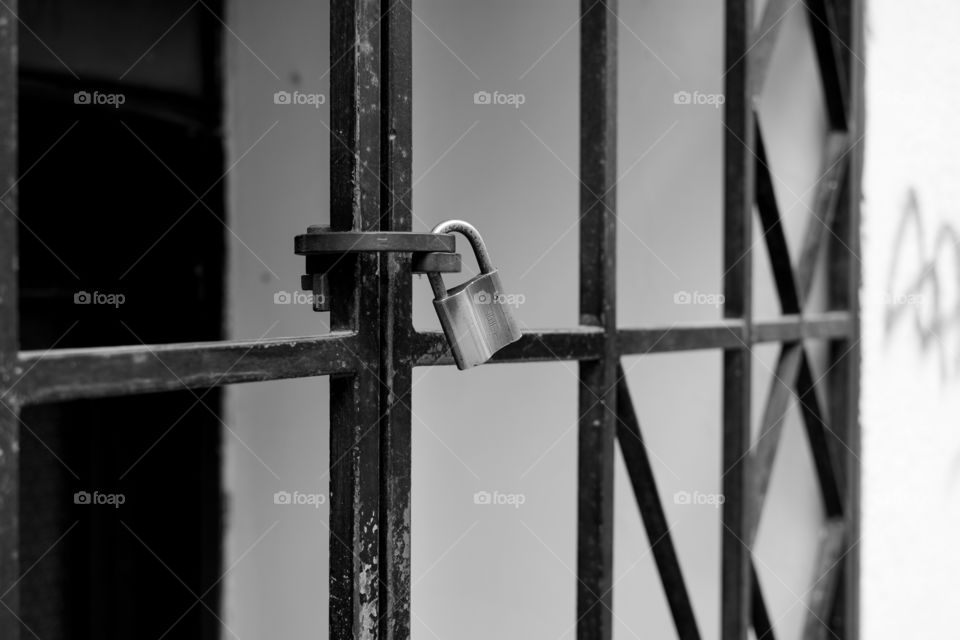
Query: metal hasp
{"points": [[323, 248], [474, 319]]}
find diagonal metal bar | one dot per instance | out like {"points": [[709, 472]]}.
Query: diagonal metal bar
{"points": [[824, 592], [645, 491], [765, 451], [773, 232], [759, 614], [820, 437], [823, 24], [826, 202], [765, 41]]}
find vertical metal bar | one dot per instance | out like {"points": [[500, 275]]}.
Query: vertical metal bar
{"points": [[597, 393], [396, 325], [739, 164], [844, 376], [354, 399], [9, 338]]}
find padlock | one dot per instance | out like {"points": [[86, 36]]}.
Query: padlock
{"points": [[474, 319]]}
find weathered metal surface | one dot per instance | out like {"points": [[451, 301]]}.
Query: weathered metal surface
{"points": [[355, 399], [67, 374], [396, 326], [436, 262], [373, 348], [376, 241], [9, 339], [738, 186], [654, 519], [597, 390]]}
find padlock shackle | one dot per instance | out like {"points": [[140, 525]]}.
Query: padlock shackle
{"points": [[470, 233], [479, 250]]}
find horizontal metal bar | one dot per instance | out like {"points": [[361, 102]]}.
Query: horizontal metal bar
{"points": [[584, 343], [724, 334], [824, 326], [319, 240], [67, 374]]}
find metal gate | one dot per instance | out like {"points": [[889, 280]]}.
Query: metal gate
{"points": [[373, 347]]}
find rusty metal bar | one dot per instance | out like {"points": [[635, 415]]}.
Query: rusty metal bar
{"points": [[396, 323], [9, 337], [597, 390], [40, 377], [355, 399], [68, 374], [739, 165]]}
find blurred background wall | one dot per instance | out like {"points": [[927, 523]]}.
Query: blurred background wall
{"points": [[911, 322], [484, 571]]}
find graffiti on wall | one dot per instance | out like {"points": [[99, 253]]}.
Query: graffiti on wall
{"points": [[923, 286]]}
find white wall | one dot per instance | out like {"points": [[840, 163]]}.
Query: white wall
{"points": [[482, 571], [911, 368]]}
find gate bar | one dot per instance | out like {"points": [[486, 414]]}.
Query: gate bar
{"points": [[739, 164], [354, 399], [598, 381], [9, 336]]}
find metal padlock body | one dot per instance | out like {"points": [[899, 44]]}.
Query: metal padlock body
{"points": [[474, 319]]}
